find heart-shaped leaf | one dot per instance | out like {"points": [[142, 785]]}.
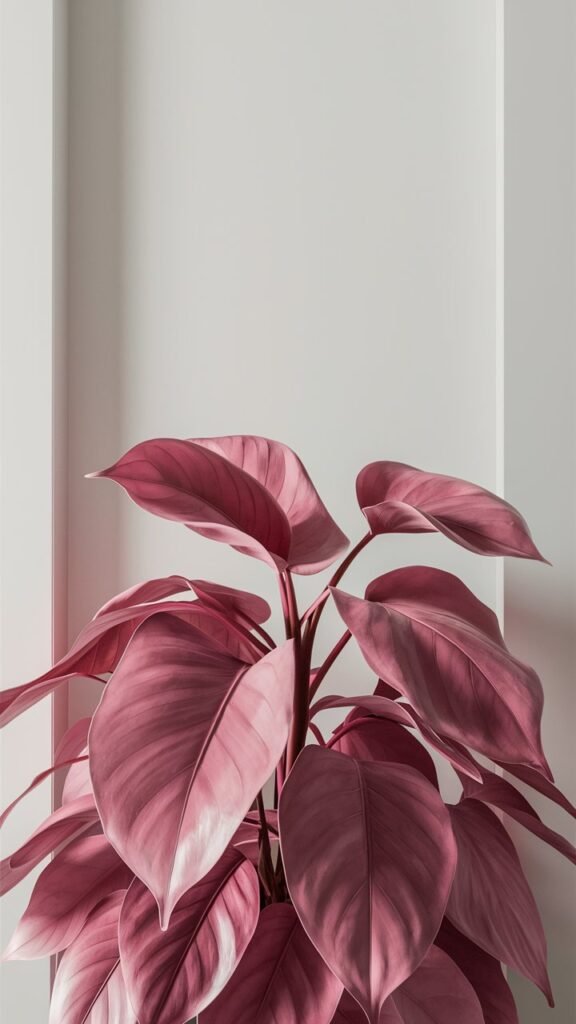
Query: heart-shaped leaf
{"points": [[502, 794], [173, 975], [490, 901], [213, 732], [63, 825], [483, 972], [89, 987], [315, 539], [195, 485], [361, 842], [462, 681], [379, 739], [81, 874], [281, 978], [396, 498]]}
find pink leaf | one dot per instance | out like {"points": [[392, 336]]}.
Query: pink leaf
{"points": [[316, 540], [78, 781], [173, 975], [437, 993], [379, 739], [281, 978], [484, 974], [532, 777], [37, 781], [144, 593], [361, 842], [100, 645], [63, 825], [500, 793], [81, 874], [396, 498], [89, 988], [183, 739], [490, 901], [465, 685], [228, 599], [192, 484], [350, 1012]]}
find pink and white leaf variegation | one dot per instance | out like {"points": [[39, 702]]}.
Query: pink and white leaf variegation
{"points": [[175, 777], [459, 677], [396, 498], [281, 978], [361, 842], [89, 987], [490, 901], [81, 875], [173, 975]]}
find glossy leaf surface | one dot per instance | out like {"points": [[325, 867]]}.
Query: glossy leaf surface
{"points": [[380, 739], [81, 875], [212, 732], [490, 901], [173, 975], [281, 978], [361, 842], [483, 972], [397, 498]]}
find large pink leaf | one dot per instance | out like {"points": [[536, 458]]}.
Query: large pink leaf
{"points": [[228, 599], [173, 975], [100, 645], [63, 825], [502, 794], [315, 540], [281, 978], [182, 741], [396, 498], [490, 901], [192, 484], [379, 739], [463, 682], [383, 707], [484, 974], [369, 857], [89, 988], [81, 874]]}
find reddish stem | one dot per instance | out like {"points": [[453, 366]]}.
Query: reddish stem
{"points": [[327, 664]]}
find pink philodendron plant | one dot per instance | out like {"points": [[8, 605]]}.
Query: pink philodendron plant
{"points": [[359, 895]]}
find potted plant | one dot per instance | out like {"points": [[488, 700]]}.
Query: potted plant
{"points": [[355, 893]]}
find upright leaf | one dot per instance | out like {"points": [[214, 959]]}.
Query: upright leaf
{"points": [[81, 875], [396, 498], [315, 539], [171, 976], [281, 978], [490, 901], [369, 857], [182, 741], [89, 988], [462, 681]]}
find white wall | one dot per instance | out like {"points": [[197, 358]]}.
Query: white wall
{"points": [[298, 220]]}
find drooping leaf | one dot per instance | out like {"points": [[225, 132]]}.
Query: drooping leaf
{"points": [[189, 483], [502, 794], [380, 739], [78, 781], [464, 684], [437, 993], [281, 978], [534, 778], [89, 987], [228, 599], [483, 972], [402, 713], [71, 885], [183, 739], [369, 857], [396, 498], [36, 781], [63, 825], [145, 593], [490, 901], [173, 975], [315, 540]]}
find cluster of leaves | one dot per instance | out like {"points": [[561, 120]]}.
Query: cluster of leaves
{"points": [[360, 894]]}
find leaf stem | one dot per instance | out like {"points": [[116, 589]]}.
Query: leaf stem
{"points": [[319, 676], [317, 605], [266, 865]]}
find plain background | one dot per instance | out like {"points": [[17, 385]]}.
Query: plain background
{"points": [[346, 225]]}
